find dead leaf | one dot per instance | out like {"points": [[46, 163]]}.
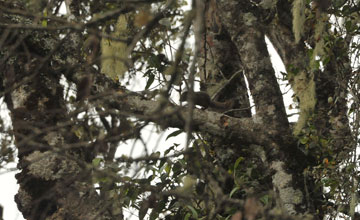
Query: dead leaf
{"points": [[142, 19], [251, 208], [224, 121], [237, 216]]}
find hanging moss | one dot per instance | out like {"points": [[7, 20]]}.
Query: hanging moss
{"points": [[304, 88], [114, 52], [298, 12]]}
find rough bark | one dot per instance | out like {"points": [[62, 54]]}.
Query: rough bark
{"points": [[54, 154], [54, 179]]}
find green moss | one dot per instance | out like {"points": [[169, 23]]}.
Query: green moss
{"points": [[114, 53], [319, 39], [304, 88], [298, 12]]}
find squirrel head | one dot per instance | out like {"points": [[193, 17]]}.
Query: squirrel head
{"points": [[184, 96]]}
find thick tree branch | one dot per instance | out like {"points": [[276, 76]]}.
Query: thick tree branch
{"points": [[249, 39], [247, 130]]}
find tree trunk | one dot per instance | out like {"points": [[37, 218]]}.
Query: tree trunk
{"points": [[239, 163]]}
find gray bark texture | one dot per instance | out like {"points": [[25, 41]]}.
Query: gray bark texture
{"points": [[256, 166]]}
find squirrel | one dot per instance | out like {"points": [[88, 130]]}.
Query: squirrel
{"points": [[320, 6], [203, 99]]}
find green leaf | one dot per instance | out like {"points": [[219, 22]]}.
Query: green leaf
{"points": [[96, 162], [174, 134], [324, 142], [348, 25], [237, 162], [169, 149], [167, 168], [187, 216], [162, 162], [126, 178], [44, 23], [304, 140], [194, 212], [143, 209], [154, 61], [234, 191], [265, 199], [346, 9], [200, 188], [326, 60], [177, 169], [156, 154], [148, 72], [165, 21], [150, 81], [154, 214]]}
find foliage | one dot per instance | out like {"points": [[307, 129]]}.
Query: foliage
{"points": [[98, 51]]}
